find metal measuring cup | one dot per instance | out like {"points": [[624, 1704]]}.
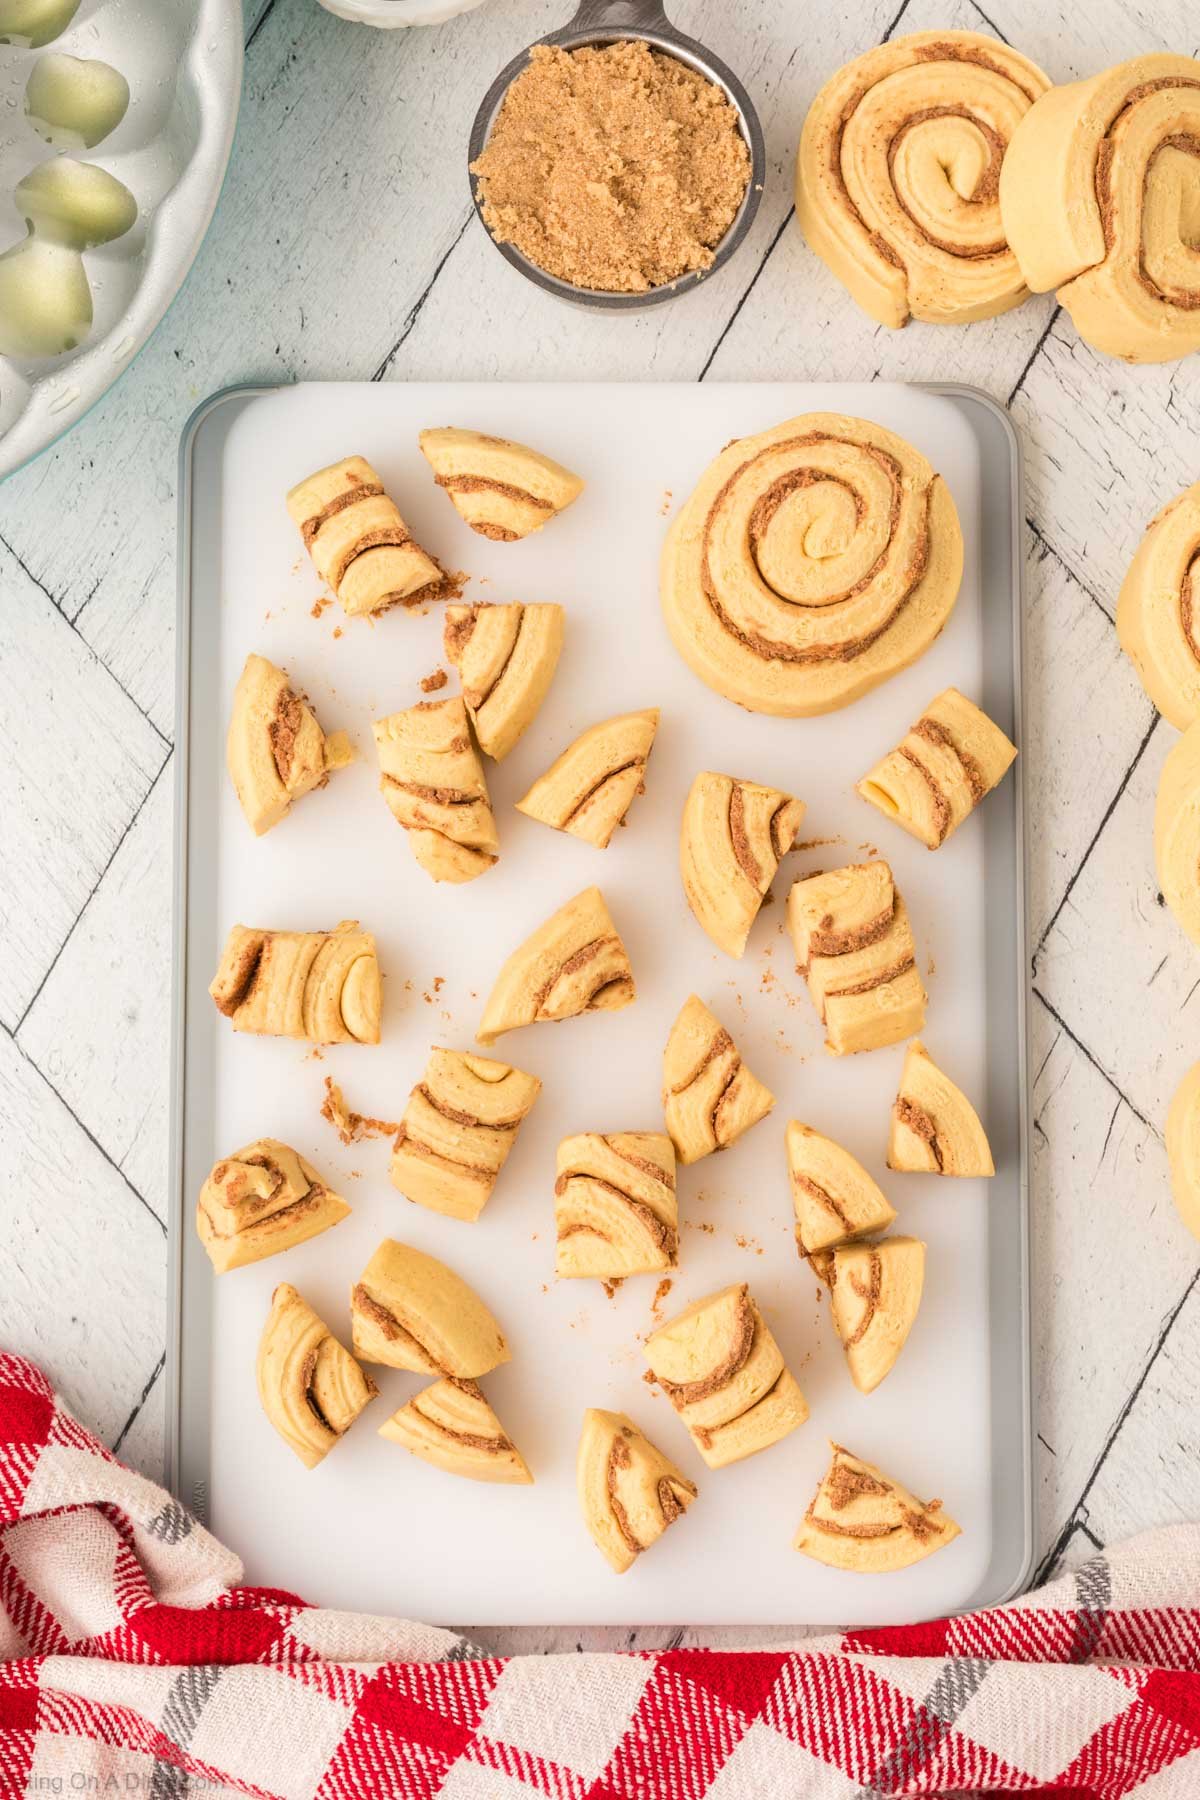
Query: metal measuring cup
{"points": [[606, 22]]}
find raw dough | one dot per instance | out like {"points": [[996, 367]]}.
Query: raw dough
{"points": [[592, 785], [263, 1199], [506, 657], [460, 1123], [854, 947], [310, 1386], [452, 1426], [359, 543], [322, 986], [730, 844], [629, 1492], [948, 762], [275, 750], [412, 1312], [935, 1129], [432, 778], [709, 1095], [615, 1212], [574, 963], [503, 490], [1158, 611], [834, 1198], [862, 1521]]}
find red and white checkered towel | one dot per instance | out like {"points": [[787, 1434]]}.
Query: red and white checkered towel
{"points": [[132, 1663]]}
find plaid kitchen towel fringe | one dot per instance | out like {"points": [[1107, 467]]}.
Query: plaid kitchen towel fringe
{"points": [[133, 1663]]}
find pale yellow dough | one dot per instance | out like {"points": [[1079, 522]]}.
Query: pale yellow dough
{"points": [[452, 1426], [935, 1130], [574, 963], [506, 657], [460, 1123], [1158, 610], [862, 1521], [321, 986], [629, 1492], [810, 563], [615, 1212], [709, 1095], [503, 490], [359, 543], [275, 750], [723, 1372], [411, 1312], [310, 1386], [948, 762], [854, 947], [730, 844], [1100, 195], [1177, 831], [592, 785], [834, 1198], [263, 1199], [875, 1290], [898, 174], [433, 780], [1183, 1148]]}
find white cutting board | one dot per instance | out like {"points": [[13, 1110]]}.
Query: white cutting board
{"points": [[373, 1527]]}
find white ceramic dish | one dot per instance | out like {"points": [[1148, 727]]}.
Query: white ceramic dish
{"points": [[392, 15]]}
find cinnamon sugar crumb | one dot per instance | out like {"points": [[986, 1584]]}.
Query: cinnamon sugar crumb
{"points": [[668, 496], [349, 1125], [431, 683], [660, 1293], [319, 606]]}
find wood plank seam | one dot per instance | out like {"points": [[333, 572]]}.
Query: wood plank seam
{"points": [[1019, 383], [415, 310], [1049, 549], [1096, 1064], [146, 1392]]}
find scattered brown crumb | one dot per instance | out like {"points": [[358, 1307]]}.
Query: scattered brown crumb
{"points": [[660, 1293], [931, 970], [349, 1125], [869, 849], [817, 843], [768, 898], [668, 496], [319, 606], [337, 631], [649, 1378], [316, 1054], [611, 1287], [431, 683]]}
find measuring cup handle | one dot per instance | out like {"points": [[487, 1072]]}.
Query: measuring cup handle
{"points": [[646, 15]]}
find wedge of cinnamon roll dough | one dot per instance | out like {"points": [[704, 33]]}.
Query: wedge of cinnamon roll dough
{"points": [[359, 543], [862, 1521], [615, 1211], [589, 789], [709, 1095], [264, 1198], [411, 1312], [935, 1130], [275, 750], [948, 762], [310, 1386], [854, 947], [629, 1492], [1158, 610], [321, 986], [834, 1198], [875, 1291], [723, 1372], [433, 781], [898, 176], [733, 836], [452, 1426], [1183, 1148], [460, 1123], [503, 490], [574, 963], [810, 563], [1177, 831], [506, 657]]}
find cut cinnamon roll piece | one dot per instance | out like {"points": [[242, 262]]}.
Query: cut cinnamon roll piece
{"points": [[320, 986], [935, 1129], [275, 751], [854, 947], [834, 1198], [875, 1291], [725, 1375], [1183, 1148], [1177, 832], [811, 562], [503, 490], [615, 1210], [411, 1312], [733, 837], [460, 1123], [574, 963], [592, 785], [1158, 610], [862, 1521], [936, 776], [452, 1426], [310, 1386], [263, 1199], [506, 657], [359, 543], [709, 1095], [433, 781], [629, 1492]]}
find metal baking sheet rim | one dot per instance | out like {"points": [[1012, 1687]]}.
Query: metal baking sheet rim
{"points": [[186, 1386]]}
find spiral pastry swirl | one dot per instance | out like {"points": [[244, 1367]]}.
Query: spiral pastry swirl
{"points": [[1158, 611], [898, 176], [811, 562], [1100, 194]]}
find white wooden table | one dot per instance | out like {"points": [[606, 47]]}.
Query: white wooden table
{"points": [[345, 246]]}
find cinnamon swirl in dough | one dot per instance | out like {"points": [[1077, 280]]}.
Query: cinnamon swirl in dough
{"points": [[725, 1376], [359, 543], [310, 1386], [592, 785], [1100, 193], [854, 947], [1158, 612], [898, 176], [629, 1492], [875, 1290], [614, 1205], [574, 963], [811, 562], [834, 1198], [263, 1199], [506, 657], [452, 1426], [276, 751], [862, 1521], [1177, 831], [321, 986], [730, 844], [460, 1123], [1183, 1148], [935, 1129], [948, 762], [412, 1312], [432, 778], [503, 490], [709, 1095]]}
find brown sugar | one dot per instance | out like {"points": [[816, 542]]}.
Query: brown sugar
{"points": [[615, 168]]}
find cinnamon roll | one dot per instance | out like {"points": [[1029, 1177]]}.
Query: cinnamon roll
{"points": [[834, 1198], [854, 947], [875, 1291], [452, 1426], [592, 785], [321, 986], [1158, 611], [732, 838], [411, 1312], [862, 1521], [460, 1123], [948, 762], [1183, 1148], [310, 1386], [709, 1095], [432, 778], [574, 963], [360, 545], [263, 1199], [1177, 831], [503, 490], [629, 1492], [935, 1130], [276, 751], [506, 657], [615, 1212]]}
